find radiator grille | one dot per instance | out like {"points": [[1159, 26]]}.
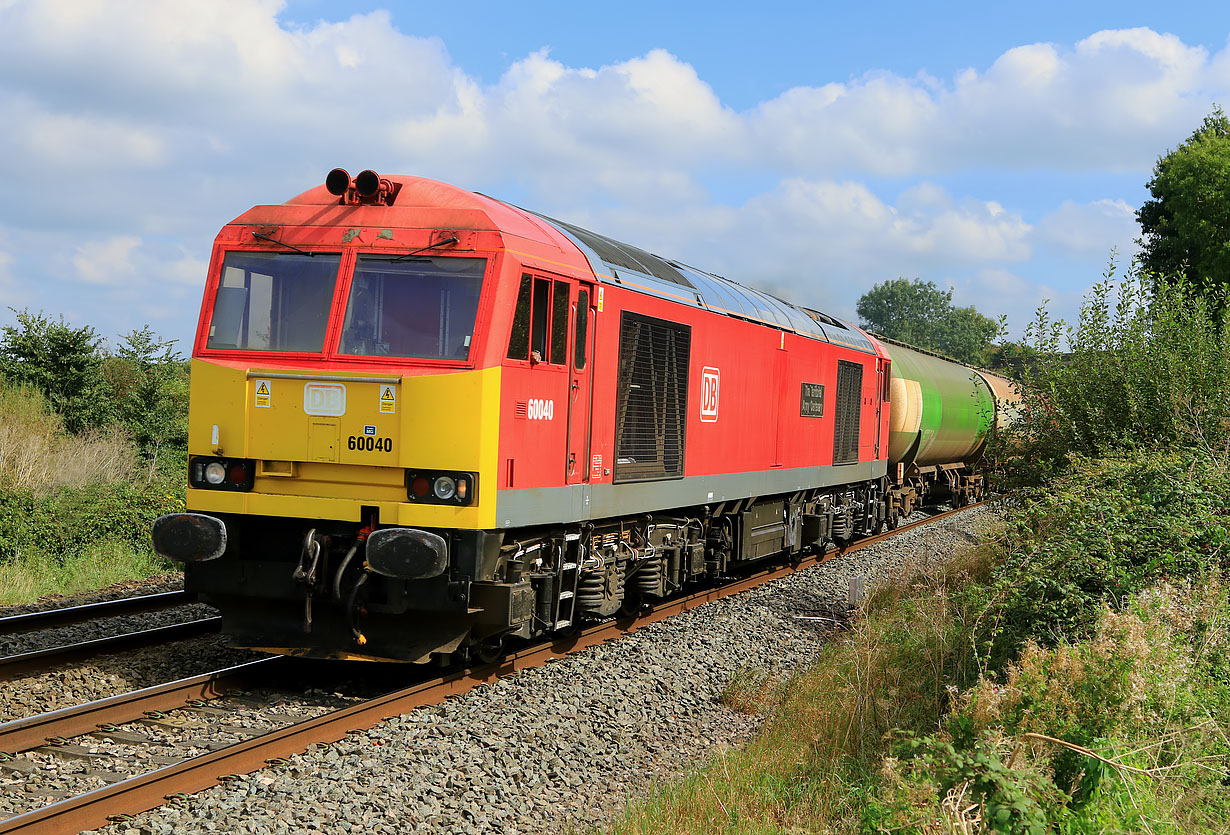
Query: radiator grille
{"points": [[652, 404], [849, 410]]}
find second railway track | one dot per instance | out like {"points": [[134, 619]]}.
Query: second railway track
{"points": [[41, 640], [68, 615], [150, 789]]}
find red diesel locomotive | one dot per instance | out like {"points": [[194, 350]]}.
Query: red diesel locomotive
{"points": [[424, 421]]}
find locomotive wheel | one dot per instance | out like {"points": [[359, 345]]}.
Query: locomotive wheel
{"points": [[489, 650], [632, 606]]}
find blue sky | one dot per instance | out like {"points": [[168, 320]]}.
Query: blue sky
{"points": [[810, 149]]}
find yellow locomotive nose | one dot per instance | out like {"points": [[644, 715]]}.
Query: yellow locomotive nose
{"points": [[324, 446]]}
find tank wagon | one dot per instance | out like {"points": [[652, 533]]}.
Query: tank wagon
{"points": [[424, 421]]}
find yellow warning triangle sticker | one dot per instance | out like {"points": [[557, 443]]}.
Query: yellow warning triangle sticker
{"points": [[387, 394], [263, 389]]}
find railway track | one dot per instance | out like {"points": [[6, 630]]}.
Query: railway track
{"points": [[25, 663], [51, 618], [151, 789], [31, 623]]}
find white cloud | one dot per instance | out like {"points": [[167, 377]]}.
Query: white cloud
{"points": [[139, 127], [7, 281], [106, 262], [126, 265], [1109, 101], [1091, 228], [222, 89], [824, 243]]}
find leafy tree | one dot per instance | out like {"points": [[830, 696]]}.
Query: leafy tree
{"points": [[142, 385], [919, 313], [148, 387], [62, 362], [1186, 226]]}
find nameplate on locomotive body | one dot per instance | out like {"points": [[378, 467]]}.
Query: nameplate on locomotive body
{"points": [[812, 400]]}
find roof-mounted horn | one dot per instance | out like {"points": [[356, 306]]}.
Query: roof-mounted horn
{"points": [[368, 188], [338, 182]]}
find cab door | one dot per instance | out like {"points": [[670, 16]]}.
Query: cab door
{"points": [[580, 393]]}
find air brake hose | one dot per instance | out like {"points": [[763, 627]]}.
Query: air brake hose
{"points": [[341, 569], [352, 609]]}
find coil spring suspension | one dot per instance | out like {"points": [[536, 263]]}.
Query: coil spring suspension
{"points": [[592, 589], [648, 576], [843, 524]]}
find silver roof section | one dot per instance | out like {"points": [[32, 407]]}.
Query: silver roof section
{"points": [[637, 269]]}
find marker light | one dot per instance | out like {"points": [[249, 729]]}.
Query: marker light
{"points": [[458, 489], [444, 488], [237, 474]]}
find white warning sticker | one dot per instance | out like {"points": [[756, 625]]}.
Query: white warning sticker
{"points": [[388, 400], [264, 391]]}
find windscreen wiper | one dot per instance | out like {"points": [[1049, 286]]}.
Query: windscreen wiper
{"points": [[283, 243], [444, 242]]}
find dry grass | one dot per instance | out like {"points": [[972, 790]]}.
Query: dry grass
{"points": [[37, 455]]}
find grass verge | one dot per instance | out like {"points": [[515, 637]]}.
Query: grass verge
{"points": [[97, 566], [1072, 676]]}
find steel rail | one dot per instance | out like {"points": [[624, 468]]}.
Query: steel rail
{"points": [[147, 791], [30, 732], [49, 618], [12, 666]]}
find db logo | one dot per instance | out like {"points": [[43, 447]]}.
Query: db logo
{"points": [[709, 379], [324, 399]]}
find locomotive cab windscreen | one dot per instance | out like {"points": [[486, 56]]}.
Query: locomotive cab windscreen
{"points": [[413, 308], [269, 301], [396, 306]]}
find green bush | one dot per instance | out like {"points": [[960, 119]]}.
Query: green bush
{"points": [[1147, 368], [140, 387], [1095, 536], [1147, 694], [69, 519], [74, 509]]}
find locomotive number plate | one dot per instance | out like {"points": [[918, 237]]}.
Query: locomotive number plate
{"points": [[366, 443]]}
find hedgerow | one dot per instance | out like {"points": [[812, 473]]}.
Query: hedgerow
{"points": [[92, 449]]}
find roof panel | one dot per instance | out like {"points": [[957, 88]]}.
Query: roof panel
{"points": [[618, 254], [644, 271], [717, 293]]}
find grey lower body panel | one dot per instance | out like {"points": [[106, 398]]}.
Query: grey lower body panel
{"points": [[578, 502]]}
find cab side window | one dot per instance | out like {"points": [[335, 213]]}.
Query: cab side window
{"points": [[578, 351], [559, 325], [540, 321], [519, 341]]}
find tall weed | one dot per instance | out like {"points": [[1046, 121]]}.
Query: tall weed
{"points": [[1147, 368], [1123, 732]]}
